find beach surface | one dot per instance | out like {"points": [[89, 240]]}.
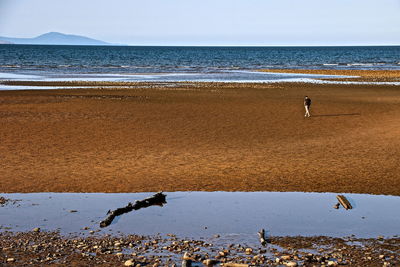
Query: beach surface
{"points": [[356, 74], [201, 137]]}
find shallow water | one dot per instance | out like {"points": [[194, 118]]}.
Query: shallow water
{"points": [[203, 214], [222, 76]]}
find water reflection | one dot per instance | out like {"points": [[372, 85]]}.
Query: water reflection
{"points": [[203, 214]]}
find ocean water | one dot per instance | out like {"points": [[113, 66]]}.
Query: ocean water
{"points": [[182, 63]]}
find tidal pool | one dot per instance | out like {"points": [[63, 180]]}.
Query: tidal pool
{"points": [[204, 214]]}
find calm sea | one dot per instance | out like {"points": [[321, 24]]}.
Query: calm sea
{"points": [[181, 63]]}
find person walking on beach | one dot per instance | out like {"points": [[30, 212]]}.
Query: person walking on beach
{"points": [[307, 104]]}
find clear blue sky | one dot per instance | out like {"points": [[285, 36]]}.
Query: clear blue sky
{"points": [[209, 22]]}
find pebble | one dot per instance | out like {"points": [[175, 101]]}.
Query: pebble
{"points": [[36, 230], [332, 263], [291, 264], [10, 260], [209, 262], [129, 263], [285, 257], [248, 251], [222, 253]]}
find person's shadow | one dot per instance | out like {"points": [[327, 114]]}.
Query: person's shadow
{"points": [[337, 115]]}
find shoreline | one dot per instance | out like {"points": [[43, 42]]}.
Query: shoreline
{"points": [[317, 76], [91, 245], [37, 248]]}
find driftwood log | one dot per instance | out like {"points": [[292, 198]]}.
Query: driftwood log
{"points": [[344, 202], [157, 199]]}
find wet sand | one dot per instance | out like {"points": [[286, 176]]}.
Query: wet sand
{"points": [[361, 75], [201, 136]]}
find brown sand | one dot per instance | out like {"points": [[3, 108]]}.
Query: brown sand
{"points": [[244, 137], [361, 75]]}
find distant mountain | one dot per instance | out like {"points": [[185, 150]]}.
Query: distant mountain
{"points": [[54, 38], [4, 42]]}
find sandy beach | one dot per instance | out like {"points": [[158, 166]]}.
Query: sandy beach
{"points": [[202, 137]]}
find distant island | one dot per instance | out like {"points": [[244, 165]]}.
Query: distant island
{"points": [[53, 38]]}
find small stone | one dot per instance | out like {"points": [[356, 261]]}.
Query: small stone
{"points": [[221, 254], [72, 211], [285, 257], [129, 263], [36, 230], [10, 260], [119, 254], [248, 251], [332, 263], [209, 262], [186, 256], [291, 264], [381, 256], [337, 205]]}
